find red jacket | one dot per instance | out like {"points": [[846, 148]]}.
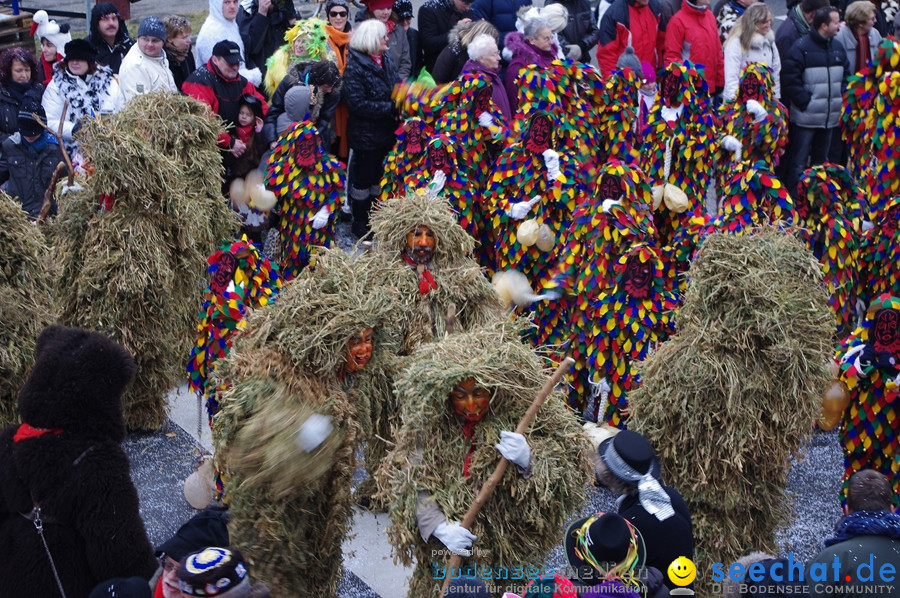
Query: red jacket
{"points": [[692, 35], [207, 85], [628, 23]]}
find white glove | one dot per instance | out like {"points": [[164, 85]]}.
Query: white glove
{"points": [[867, 226], [486, 120], [551, 161], [313, 432], [455, 537], [733, 145], [437, 182], [574, 52], [520, 210], [670, 114], [756, 109], [67, 189], [549, 296], [321, 218], [514, 448]]}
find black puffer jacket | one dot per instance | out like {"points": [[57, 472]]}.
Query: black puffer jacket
{"points": [[296, 75], [9, 108], [581, 29], [28, 174], [436, 19], [263, 34], [812, 81], [367, 92]]}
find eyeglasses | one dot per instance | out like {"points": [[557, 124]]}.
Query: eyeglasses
{"points": [[168, 565], [338, 13]]}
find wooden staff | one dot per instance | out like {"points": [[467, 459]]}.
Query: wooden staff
{"points": [[450, 319], [488, 488], [48, 194], [59, 138]]}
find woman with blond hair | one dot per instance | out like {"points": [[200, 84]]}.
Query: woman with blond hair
{"points": [[859, 36], [450, 61], [751, 40]]}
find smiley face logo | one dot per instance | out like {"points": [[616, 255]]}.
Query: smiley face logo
{"points": [[682, 571]]}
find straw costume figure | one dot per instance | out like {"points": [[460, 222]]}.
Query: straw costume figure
{"points": [[241, 280], [307, 40], [754, 124], [831, 208], [133, 243], [869, 361], [459, 398], [750, 387], [426, 254], [309, 184], [289, 421], [27, 308]]}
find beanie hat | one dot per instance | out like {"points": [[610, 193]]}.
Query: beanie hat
{"points": [[152, 27], [629, 60], [212, 572], [468, 587], [404, 9], [332, 3], [252, 102], [649, 72], [373, 5], [80, 49], [43, 28], [132, 587], [27, 125], [556, 15], [206, 528]]}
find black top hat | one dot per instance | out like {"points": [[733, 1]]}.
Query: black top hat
{"points": [[596, 545], [633, 449]]}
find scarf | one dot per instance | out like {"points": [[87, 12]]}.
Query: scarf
{"points": [[84, 101], [800, 21], [426, 280], [866, 523], [26, 431], [35, 148], [177, 55], [376, 59], [651, 494], [863, 52], [338, 40], [17, 90]]}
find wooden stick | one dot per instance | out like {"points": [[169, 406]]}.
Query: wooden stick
{"points": [[48, 194], [450, 319], [488, 488], [59, 138]]}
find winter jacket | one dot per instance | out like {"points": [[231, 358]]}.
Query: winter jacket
{"points": [[29, 173], [96, 94], [728, 17], [851, 44], [436, 18], [665, 540], [762, 50], [398, 44], [812, 77], [581, 30], [499, 13], [181, 70], [217, 28], [142, 74], [523, 54], [9, 107], [793, 28], [450, 61], [873, 551], [883, 23], [296, 75], [692, 35], [263, 34], [110, 56], [367, 91], [416, 53], [626, 23], [498, 93], [207, 85]]}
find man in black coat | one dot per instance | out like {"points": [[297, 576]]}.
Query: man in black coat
{"points": [[436, 19], [581, 31], [68, 507], [109, 35], [263, 24]]}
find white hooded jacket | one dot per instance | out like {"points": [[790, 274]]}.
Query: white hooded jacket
{"points": [[217, 28]]}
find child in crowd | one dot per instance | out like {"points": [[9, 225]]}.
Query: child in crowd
{"points": [[249, 130]]}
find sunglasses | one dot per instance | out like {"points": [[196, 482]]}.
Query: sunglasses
{"points": [[338, 13]]}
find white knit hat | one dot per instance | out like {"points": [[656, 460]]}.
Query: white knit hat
{"points": [[43, 27]]}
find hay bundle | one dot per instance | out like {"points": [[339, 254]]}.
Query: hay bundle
{"points": [[284, 368], [135, 270], [734, 394], [524, 518], [26, 308]]}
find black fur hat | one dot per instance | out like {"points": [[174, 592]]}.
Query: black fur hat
{"points": [[77, 383]]}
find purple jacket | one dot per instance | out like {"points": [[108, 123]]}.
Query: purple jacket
{"points": [[523, 54], [498, 93]]}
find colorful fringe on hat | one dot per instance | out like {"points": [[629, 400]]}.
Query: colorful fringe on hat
{"points": [[315, 45], [304, 183]]}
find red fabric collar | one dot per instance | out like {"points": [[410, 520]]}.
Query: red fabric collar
{"points": [[426, 280], [26, 431], [469, 433]]}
